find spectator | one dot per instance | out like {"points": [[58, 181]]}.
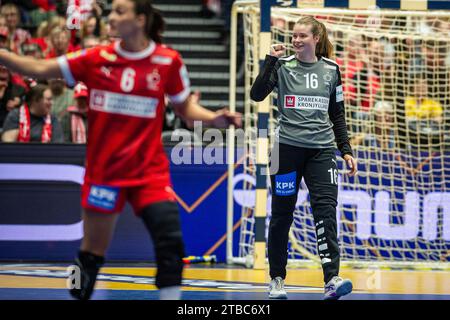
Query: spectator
{"points": [[4, 38], [351, 64], [424, 115], [14, 78], [62, 97], [43, 33], [365, 83], [45, 11], [3, 22], [33, 50], [32, 122], [10, 94], [74, 121], [357, 80], [90, 27], [419, 106], [41, 37], [381, 135], [17, 36], [60, 40], [431, 62], [45, 5], [93, 26]]}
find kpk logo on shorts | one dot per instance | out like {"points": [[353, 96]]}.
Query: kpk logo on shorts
{"points": [[103, 197], [289, 101], [285, 184]]}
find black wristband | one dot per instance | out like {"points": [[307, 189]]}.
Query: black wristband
{"points": [[345, 148]]}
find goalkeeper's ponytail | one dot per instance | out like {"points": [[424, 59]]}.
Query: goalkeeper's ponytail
{"points": [[324, 48]]}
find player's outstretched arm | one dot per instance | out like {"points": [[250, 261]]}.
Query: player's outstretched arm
{"points": [[29, 66]]}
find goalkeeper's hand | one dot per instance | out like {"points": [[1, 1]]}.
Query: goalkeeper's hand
{"points": [[277, 50], [351, 164]]}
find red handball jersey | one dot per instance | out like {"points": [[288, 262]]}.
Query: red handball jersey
{"points": [[126, 110]]}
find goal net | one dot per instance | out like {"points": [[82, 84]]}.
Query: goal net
{"points": [[395, 68]]}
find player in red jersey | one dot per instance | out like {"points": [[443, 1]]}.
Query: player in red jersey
{"points": [[125, 157]]}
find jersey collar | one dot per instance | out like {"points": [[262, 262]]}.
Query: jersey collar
{"points": [[135, 55]]}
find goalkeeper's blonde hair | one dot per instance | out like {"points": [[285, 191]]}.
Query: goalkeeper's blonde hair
{"points": [[324, 48]]}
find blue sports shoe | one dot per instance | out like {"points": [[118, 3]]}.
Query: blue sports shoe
{"points": [[337, 287]]}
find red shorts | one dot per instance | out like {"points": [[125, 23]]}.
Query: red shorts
{"points": [[110, 199]]}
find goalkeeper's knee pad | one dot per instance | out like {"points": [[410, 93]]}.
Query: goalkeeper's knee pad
{"points": [[89, 265]]}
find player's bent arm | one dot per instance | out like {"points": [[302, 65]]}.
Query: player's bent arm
{"points": [[10, 135], [189, 110], [31, 67], [266, 80]]}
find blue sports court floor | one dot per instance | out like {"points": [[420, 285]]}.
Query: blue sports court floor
{"points": [[220, 282]]}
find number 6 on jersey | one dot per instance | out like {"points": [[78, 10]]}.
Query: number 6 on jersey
{"points": [[127, 81]]}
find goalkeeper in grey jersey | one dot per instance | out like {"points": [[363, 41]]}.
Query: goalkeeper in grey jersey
{"points": [[311, 124]]}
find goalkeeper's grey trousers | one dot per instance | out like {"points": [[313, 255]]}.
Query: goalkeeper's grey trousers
{"points": [[318, 167]]}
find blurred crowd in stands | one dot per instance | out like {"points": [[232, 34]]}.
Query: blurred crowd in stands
{"points": [[49, 111], [34, 110]]}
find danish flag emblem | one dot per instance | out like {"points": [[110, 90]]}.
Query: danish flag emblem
{"points": [[289, 101]]}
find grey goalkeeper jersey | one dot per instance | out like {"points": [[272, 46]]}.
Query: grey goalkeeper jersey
{"points": [[310, 101]]}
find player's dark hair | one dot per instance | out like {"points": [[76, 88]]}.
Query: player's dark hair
{"points": [[324, 47], [155, 23], [36, 93]]}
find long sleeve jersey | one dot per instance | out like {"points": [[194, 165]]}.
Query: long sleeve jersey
{"points": [[310, 102]]}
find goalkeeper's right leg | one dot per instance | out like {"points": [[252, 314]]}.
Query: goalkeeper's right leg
{"points": [[285, 183]]}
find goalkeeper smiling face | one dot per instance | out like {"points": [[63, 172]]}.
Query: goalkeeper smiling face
{"points": [[310, 40], [304, 42]]}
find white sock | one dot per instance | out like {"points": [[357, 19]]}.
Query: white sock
{"points": [[170, 293]]}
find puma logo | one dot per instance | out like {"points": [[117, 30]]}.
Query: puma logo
{"points": [[294, 74]]}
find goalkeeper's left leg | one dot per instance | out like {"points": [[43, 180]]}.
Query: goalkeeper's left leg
{"points": [[321, 179]]}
